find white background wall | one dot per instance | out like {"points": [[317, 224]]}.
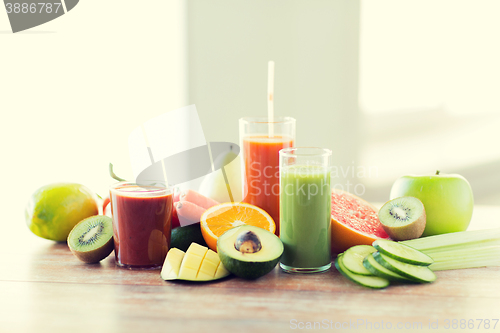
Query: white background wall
{"points": [[72, 90], [429, 82], [315, 47]]}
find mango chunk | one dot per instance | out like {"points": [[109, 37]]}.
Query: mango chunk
{"points": [[207, 267], [204, 277], [191, 261], [221, 272], [212, 257], [197, 249], [198, 263], [187, 273], [172, 265]]}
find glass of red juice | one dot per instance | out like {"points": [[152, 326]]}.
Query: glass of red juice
{"points": [[142, 216], [261, 142]]}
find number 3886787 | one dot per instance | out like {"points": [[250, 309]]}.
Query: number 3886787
{"points": [[32, 8]]}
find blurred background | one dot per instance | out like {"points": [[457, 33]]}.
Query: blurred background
{"points": [[392, 87]]}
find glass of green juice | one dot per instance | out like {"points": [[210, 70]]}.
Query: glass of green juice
{"points": [[305, 212]]}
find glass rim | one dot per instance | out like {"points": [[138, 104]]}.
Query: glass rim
{"points": [[160, 188], [265, 120], [308, 151]]}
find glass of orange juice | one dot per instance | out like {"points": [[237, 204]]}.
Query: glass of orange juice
{"points": [[261, 141]]}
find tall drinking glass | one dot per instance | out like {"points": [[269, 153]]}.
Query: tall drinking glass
{"points": [[305, 209], [260, 153], [142, 217]]}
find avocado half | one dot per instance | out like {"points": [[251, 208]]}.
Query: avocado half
{"points": [[249, 252]]}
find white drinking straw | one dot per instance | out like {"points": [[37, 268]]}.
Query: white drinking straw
{"points": [[270, 97]]}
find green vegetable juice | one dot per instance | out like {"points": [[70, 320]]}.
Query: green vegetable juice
{"points": [[305, 217]]}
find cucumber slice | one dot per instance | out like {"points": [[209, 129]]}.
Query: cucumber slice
{"points": [[353, 258], [402, 252], [377, 269], [374, 282], [413, 272]]}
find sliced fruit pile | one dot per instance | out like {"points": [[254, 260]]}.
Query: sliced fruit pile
{"points": [[385, 262], [198, 263]]}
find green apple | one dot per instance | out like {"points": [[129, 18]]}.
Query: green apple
{"points": [[447, 199]]}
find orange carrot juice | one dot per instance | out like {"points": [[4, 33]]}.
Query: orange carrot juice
{"points": [[261, 159]]}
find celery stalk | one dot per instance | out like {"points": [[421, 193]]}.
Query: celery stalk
{"points": [[461, 264], [464, 246], [466, 249], [464, 259], [469, 250], [454, 239]]}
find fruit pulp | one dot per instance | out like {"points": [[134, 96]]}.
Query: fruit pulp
{"points": [[142, 217], [305, 205], [354, 222], [261, 173]]}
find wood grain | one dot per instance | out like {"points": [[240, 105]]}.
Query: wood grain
{"points": [[44, 288]]}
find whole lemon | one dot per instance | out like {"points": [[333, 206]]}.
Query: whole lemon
{"points": [[53, 210]]}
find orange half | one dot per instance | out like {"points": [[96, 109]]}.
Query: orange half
{"points": [[220, 218]]}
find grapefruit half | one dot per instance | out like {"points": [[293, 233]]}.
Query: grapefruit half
{"points": [[354, 222]]}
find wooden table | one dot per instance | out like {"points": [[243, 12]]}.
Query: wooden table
{"points": [[44, 288]]}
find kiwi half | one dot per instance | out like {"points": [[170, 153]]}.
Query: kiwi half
{"points": [[91, 240], [403, 218]]}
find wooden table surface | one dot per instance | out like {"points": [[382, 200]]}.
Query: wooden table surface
{"points": [[44, 288]]}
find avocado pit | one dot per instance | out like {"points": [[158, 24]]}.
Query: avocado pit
{"points": [[248, 242]]}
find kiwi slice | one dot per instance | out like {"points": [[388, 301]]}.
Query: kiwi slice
{"points": [[403, 218], [91, 240]]}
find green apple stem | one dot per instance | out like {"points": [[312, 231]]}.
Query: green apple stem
{"points": [[113, 175]]}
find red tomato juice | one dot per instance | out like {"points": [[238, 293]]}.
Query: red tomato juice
{"points": [[141, 225], [261, 159]]}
